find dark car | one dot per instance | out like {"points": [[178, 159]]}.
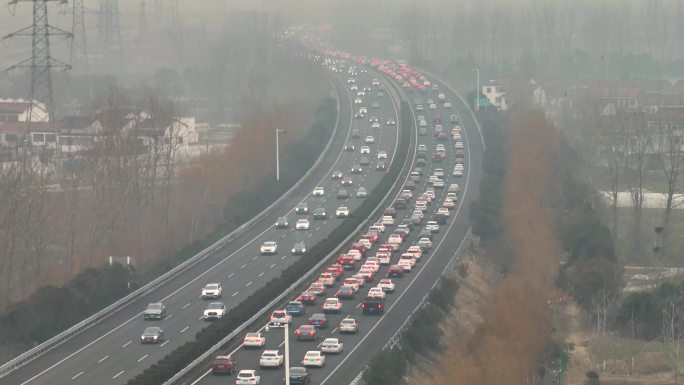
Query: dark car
{"points": [[307, 298], [425, 234], [347, 182], [460, 153], [372, 306], [364, 161], [400, 204], [320, 213], [306, 332], [381, 166], [299, 375], [349, 147], [395, 271], [155, 311], [356, 169], [223, 365], [302, 208], [410, 185], [282, 223], [346, 292], [437, 157], [318, 320], [342, 194], [152, 335], [299, 248], [421, 162], [295, 308], [391, 211]]}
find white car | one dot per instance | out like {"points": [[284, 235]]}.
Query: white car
{"points": [[370, 139], [438, 184], [395, 238], [271, 359], [279, 318], [457, 172], [438, 172], [353, 282], [447, 105], [421, 208], [269, 248], [254, 340], [416, 251], [459, 166], [247, 377], [318, 191], [375, 125], [358, 101], [384, 258], [342, 212], [382, 154], [313, 358], [432, 226], [431, 193], [212, 291], [387, 220], [443, 211], [302, 224], [405, 264], [425, 243], [355, 254], [365, 150], [376, 292], [332, 305], [386, 285], [214, 310], [458, 145], [349, 325], [432, 106], [408, 257], [332, 345]]}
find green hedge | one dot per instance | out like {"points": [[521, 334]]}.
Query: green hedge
{"points": [[207, 337], [421, 337], [52, 310]]}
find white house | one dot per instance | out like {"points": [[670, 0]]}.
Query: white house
{"points": [[17, 110], [495, 92]]}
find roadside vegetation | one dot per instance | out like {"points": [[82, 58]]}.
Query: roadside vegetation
{"points": [[215, 176]]}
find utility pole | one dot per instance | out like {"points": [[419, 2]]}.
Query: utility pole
{"points": [[477, 102], [110, 36], [278, 131], [78, 56], [40, 62]]}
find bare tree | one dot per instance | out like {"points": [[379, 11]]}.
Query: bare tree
{"points": [[667, 145], [673, 330], [635, 167], [602, 306]]}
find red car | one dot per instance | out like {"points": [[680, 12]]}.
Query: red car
{"points": [[307, 298], [360, 247], [371, 236], [338, 267], [347, 262], [385, 249], [391, 211], [223, 364]]}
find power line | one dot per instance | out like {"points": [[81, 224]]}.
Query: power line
{"points": [[40, 62]]}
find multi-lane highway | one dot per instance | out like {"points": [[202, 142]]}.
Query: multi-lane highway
{"points": [[110, 352], [375, 331]]}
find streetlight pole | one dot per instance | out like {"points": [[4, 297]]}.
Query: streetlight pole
{"points": [[477, 101], [278, 131], [287, 354]]}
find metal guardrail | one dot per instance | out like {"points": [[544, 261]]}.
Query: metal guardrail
{"points": [[295, 286], [53, 342], [423, 302]]}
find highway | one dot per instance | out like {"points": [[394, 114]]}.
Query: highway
{"points": [[110, 352], [375, 330]]}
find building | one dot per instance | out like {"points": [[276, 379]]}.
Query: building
{"points": [[17, 110], [495, 92]]}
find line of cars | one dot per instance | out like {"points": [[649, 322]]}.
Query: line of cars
{"points": [[360, 267]]}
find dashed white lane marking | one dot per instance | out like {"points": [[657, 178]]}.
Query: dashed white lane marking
{"points": [[231, 274], [248, 283], [143, 357], [186, 305], [243, 266], [102, 359], [165, 342], [200, 317], [334, 330], [126, 344], [262, 273], [272, 266], [283, 257], [236, 293], [169, 316], [309, 236], [118, 374], [255, 257], [357, 306], [76, 376], [185, 328], [281, 344]]}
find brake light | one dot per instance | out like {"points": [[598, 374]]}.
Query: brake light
{"points": [[311, 333], [379, 306]]}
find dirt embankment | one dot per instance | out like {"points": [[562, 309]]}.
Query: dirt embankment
{"points": [[516, 320]]}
